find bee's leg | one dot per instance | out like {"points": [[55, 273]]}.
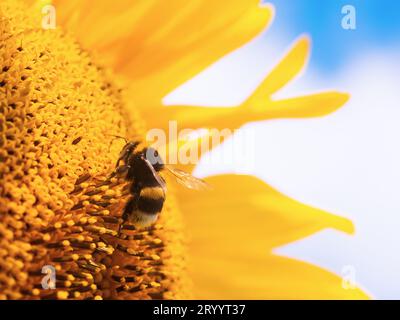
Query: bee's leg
{"points": [[120, 228], [125, 191], [118, 162], [124, 155], [119, 171], [124, 219], [130, 206]]}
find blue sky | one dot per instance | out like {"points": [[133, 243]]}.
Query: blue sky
{"points": [[378, 25]]}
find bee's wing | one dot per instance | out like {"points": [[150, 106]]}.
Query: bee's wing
{"points": [[187, 180], [156, 176]]}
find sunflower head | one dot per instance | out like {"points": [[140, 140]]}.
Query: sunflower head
{"points": [[58, 110]]}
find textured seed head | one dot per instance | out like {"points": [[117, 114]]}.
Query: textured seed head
{"points": [[57, 110]]}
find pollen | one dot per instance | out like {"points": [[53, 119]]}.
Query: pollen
{"points": [[58, 108]]}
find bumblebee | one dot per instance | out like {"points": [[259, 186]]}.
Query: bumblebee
{"points": [[140, 166]]}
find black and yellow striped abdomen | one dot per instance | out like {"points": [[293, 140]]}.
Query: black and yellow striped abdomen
{"points": [[147, 187], [151, 199]]}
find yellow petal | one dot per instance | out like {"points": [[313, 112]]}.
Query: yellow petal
{"points": [[37, 3], [198, 56], [242, 218], [159, 45], [259, 106], [314, 105], [284, 71], [266, 277], [243, 202]]}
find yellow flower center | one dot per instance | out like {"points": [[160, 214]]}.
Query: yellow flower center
{"points": [[58, 211]]}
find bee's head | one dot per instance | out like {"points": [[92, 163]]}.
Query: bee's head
{"points": [[127, 150], [155, 159]]}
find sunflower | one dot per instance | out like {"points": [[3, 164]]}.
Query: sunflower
{"points": [[102, 72]]}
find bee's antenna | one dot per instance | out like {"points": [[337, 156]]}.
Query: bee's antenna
{"points": [[119, 229], [124, 218], [115, 137]]}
